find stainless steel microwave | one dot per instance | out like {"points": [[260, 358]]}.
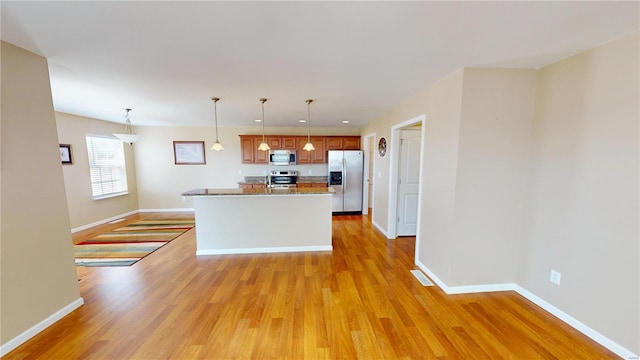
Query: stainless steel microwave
{"points": [[282, 157]]}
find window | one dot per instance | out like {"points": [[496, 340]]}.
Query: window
{"points": [[106, 167]]}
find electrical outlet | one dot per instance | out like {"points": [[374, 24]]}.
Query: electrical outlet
{"points": [[555, 277], [310, 172], [239, 171], [264, 172]]}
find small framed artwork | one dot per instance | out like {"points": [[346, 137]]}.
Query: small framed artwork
{"points": [[65, 154], [189, 153]]}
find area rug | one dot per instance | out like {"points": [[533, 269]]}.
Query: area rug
{"points": [[127, 245]]}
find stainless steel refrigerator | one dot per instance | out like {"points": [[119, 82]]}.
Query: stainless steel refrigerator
{"points": [[345, 177]]}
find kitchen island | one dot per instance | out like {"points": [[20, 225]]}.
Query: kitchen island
{"points": [[243, 221]]}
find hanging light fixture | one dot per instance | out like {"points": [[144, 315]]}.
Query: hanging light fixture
{"points": [[308, 146], [263, 145], [217, 146], [129, 136]]}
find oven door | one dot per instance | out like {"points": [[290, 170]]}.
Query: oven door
{"points": [[283, 180]]}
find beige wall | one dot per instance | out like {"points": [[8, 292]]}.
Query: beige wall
{"points": [[581, 215], [160, 181], [419, 104], [83, 209], [495, 126], [475, 138], [440, 163], [526, 171], [38, 274]]}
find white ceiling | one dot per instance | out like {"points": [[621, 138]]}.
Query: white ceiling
{"points": [[356, 59]]}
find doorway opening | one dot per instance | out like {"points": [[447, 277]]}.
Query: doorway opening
{"points": [[368, 171], [405, 178]]}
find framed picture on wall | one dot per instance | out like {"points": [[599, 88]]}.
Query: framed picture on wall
{"points": [[189, 153], [65, 154]]}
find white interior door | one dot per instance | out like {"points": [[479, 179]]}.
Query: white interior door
{"points": [[408, 182]]}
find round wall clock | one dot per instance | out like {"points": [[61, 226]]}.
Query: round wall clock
{"points": [[382, 147]]}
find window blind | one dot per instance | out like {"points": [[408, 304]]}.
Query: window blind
{"points": [[106, 167]]}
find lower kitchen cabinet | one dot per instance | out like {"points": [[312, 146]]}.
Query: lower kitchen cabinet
{"points": [[311, 185], [252, 186]]}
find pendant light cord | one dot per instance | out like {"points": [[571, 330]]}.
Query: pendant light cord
{"points": [[215, 110], [263, 101], [127, 127], [309, 120]]}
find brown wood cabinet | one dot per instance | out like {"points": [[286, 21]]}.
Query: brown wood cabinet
{"points": [[289, 142], [274, 142], [311, 185], [252, 186], [351, 143], [334, 142], [261, 157], [251, 154], [281, 142], [247, 149], [302, 156], [343, 142], [319, 155]]}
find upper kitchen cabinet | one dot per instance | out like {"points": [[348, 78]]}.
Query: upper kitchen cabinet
{"points": [[260, 156], [317, 156], [251, 154], [289, 142], [351, 143], [249, 150], [274, 142], [343, 142], [282, 142], [302, 156]]}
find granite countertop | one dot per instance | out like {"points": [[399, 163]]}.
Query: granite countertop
{"points": [[267, 191]]}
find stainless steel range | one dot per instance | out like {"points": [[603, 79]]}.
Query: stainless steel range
{"points": [[283, 179]]}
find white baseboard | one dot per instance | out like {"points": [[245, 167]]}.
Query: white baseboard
{"points": [[568, 319], [576, 324], [37, 328], [84, 227], [264, 250], [375, 224], [167, 210]]}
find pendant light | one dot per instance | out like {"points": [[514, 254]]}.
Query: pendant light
{"points": [[263, 145], [308, 146], [129, 136], [217, 146]]}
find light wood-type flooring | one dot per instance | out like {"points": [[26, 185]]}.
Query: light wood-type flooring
{"points": [[358, 302]]}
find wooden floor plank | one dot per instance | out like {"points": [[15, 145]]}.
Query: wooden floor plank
{"points": [[357, 302]]}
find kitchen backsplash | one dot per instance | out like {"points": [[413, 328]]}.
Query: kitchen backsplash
{"points": [[301, 179]]}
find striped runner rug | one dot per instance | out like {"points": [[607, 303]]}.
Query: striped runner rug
{"points": [[127, 245]]}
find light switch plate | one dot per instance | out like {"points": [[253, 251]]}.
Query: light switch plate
{"points": [[555, 277]]}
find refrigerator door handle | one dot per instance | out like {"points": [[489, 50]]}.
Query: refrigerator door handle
{"points": [[344, 176]]}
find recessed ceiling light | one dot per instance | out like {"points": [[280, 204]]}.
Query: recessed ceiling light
{"points": [[302, 121], [345, 121], [257, 120]]}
